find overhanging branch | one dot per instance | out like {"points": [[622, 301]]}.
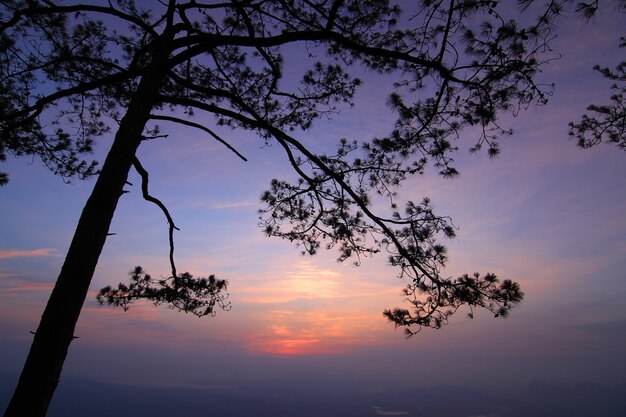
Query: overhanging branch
{"points": [[146, 195], [198, 126], [77, 8]]}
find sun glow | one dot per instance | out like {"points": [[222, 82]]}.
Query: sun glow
{"points": [[312, 311]]}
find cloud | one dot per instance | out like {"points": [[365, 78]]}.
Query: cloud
{"points": [[306, 281], [13, 283], [381, 412], [302, 281], [314, 330], [235, 205], [304, 308], [17, 253]]}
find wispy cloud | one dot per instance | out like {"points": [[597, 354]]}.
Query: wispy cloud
{"points": [[381, 412], [234, 205], [307, 309], [11, 284], [19, 253], [305, 280]]}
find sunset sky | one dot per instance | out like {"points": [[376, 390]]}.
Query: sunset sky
{"points": [[544, 213]]}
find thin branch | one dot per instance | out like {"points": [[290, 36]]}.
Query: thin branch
{"points": [[33, 11], [146, 195], [210, 108], [332, 15], [198, 126], [38, 107]]}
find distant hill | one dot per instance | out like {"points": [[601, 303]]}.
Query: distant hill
{"points": [[77, 397]]}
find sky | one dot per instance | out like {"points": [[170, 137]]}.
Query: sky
{"points": [[544, 213]]}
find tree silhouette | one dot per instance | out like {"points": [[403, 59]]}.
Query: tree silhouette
{"points": [[67, 77], [607, 122], [182, 292]]}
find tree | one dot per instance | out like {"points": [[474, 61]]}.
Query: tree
{"points": [[67, 79], [607, 121]]}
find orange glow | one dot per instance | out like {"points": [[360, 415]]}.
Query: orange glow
{"points": [[323, 330], [290, 347], [312, 310], [304, 281]]}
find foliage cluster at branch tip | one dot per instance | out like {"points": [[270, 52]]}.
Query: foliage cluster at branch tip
{"points": [[606, 122], [198, 296], [435, 309]]}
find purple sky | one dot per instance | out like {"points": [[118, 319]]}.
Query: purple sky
{"points": [[544, 213]]}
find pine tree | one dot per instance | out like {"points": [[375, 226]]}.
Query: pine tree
{"points": [[68, 78]]}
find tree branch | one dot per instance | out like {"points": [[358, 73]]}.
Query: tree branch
{"points": [[32, 11], [146, 195], [200, 43], [39, 105], [198, 126]]}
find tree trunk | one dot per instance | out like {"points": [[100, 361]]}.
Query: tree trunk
{"points": [[42, 370]]}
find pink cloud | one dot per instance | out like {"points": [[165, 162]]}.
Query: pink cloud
{"points": [[12, 284], [18, 253]]}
